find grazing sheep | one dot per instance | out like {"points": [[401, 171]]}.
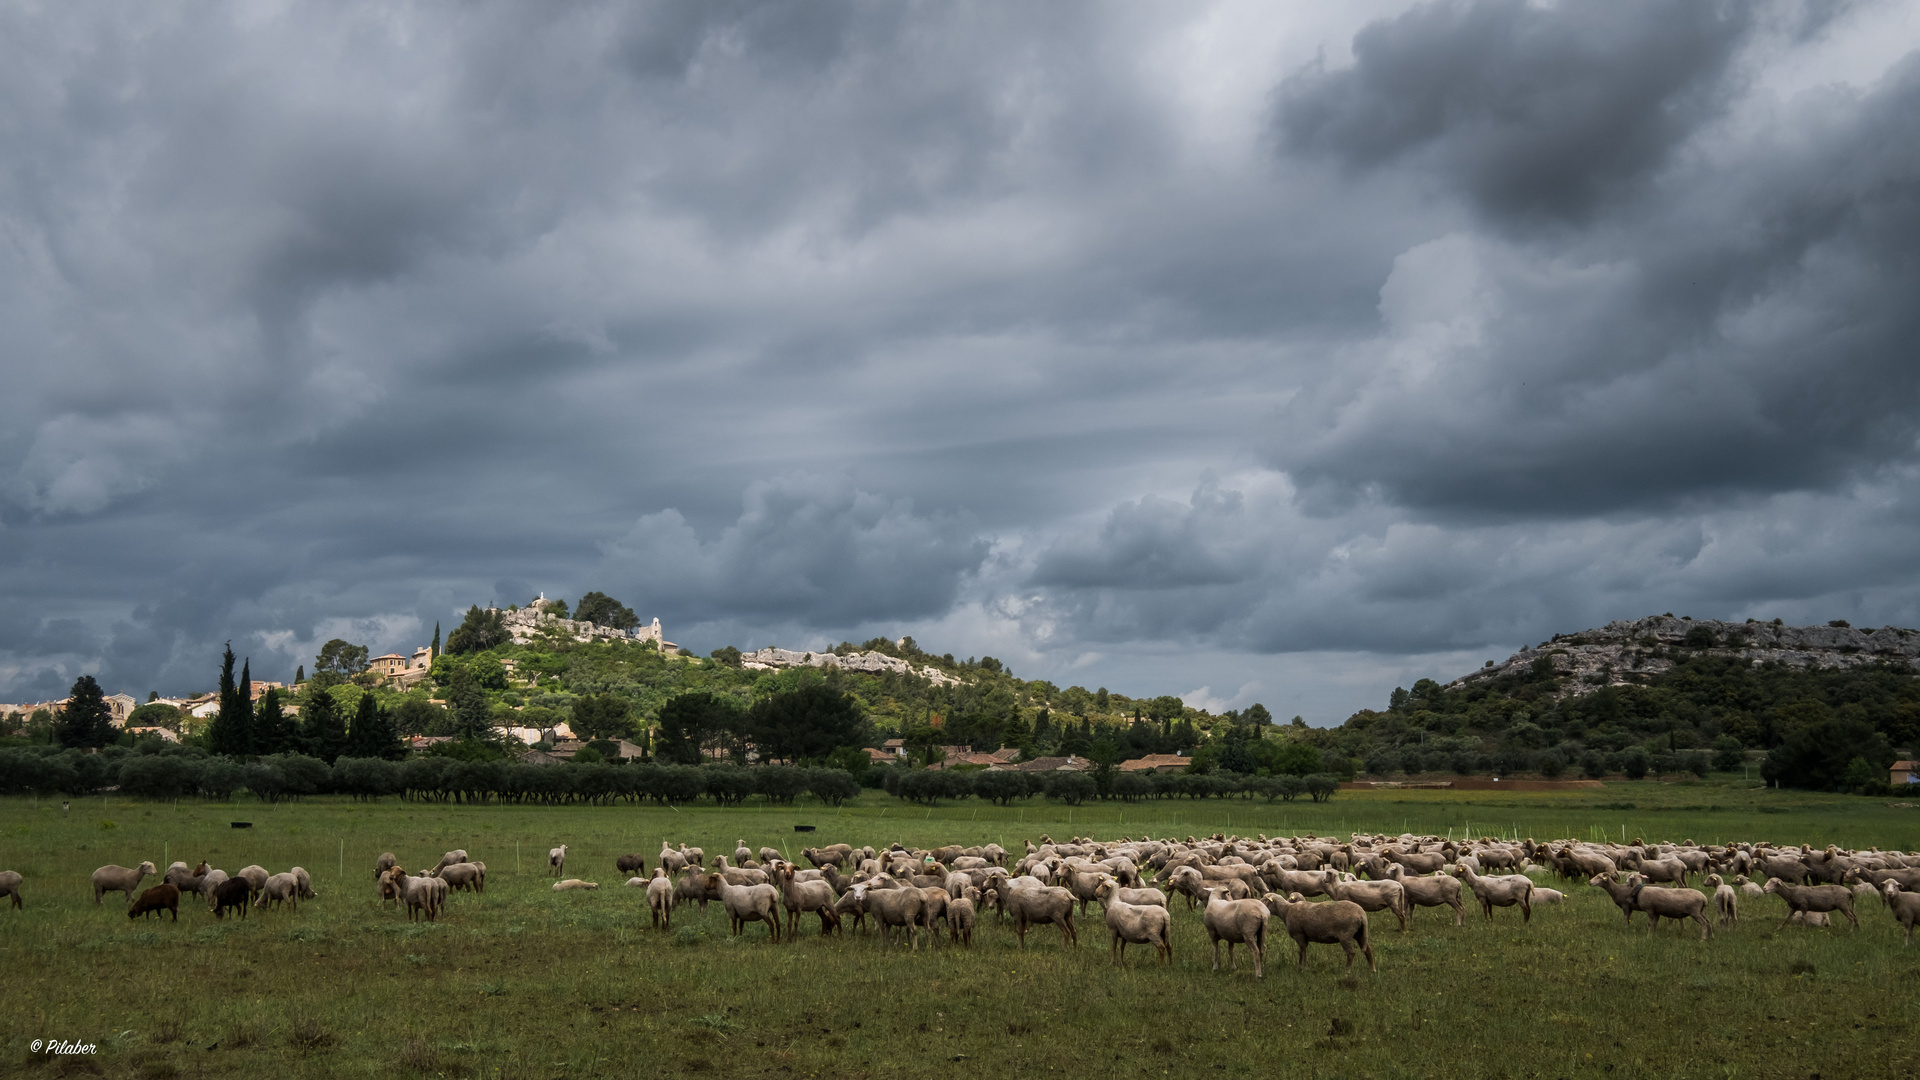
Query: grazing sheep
{"points": [[468, 876], [694, 855], [742, 854], [256, 877], [213, 881], [747, 903], [1037, 904], [671, 859], [1338, 922], [1149, 897], [1496, 892], [800, 896], [1726, 902], [111, 878], [1136, 924], [187, 881], [1236, 922], [556, 859], [574, 884], [282, 889], [852, 904], [389, 884], [834, 854], [232, 893], [384, 863], [631, 865], [451, 858], [1188, 882], [1437, 891], [1904, 905], [303, 883], [660, 898], [894, 907], [1676, 904], [1816, 898], [162, 897], [10, 885], [692, 888], [768, 855]]}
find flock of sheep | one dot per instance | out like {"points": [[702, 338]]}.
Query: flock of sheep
{"points": [[1239, 886]]}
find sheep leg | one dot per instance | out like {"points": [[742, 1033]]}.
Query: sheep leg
{"points": [[1848, 911], [1216, 953], [1118, 948], [1526, 911], [1706, 928]]}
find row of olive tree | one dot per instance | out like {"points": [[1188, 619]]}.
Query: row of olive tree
{"points": [[1001, 786]]}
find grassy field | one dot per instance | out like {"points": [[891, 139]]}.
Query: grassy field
{"points": [[521, 982]]}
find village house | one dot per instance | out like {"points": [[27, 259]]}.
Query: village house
{"points": [[1904, 772], [1156, 763]]}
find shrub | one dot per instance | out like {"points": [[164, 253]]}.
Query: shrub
{"points": [[832, 786], [1072, 788]]}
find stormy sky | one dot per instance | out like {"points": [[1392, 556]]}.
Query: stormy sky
{"points": [[1242, 351]]}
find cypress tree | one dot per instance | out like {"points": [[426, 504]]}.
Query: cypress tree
{"points": [[299, 674], [434, 650], [323, 731], [272, 733], [88, 719], [372, 734], [232, 730]]}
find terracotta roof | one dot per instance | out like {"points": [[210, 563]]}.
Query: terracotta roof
{"points": [[1154, 763], [1053, 764]]}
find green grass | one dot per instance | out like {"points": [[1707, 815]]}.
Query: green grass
{"points": [[522, 982]]}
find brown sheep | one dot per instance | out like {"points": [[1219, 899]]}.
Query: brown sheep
{"points": [[389, 885], [232, 893], [111, 878], [1904, 905], [163, 897], [1338, 922], [1236, 922], [10, 885], [631, 865], [1814, 898]]}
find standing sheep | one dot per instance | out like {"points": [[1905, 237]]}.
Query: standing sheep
{"points": [[1496, 892], [451, 858], [1814, 898], [282, 889], [1032, 905], [556, 859], [660, 899], [631, 865], [1237, 922], [1726, 902], [230, 894], [187, 881], [1676, 904], [303, 884], [747, 903], [256, 878], [960, 917], [384, 863], [111, 878], [10, 885], [1340, 922], [1136, 924], [469, 876], [162, 897], [891, 908], [1904, 905]]}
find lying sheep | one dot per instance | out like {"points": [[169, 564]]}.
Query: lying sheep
{"points": [[1135, 924], [281, 889], [1548, 896], [10, 885], [1810, 918], [111, 878], [660, 898], [556, 859], [162, 897], [230, 894], [1339, 922], [1814, 898], [574, 884], [1748, 888], [1237, 922], [1904, 905]]}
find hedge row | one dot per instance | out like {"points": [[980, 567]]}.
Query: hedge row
{"points": [[1074, 788]]}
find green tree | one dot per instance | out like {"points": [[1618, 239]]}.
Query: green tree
{"points": [[273, 731], [693, 720], [415, 715], [231, 732], [1816, 757], [1258, 715], [472, 711], [727, 655], [433, 650], [87, 719], [1166, 707], [155, 714], [339, 661], [1295, 758], [323, 727], [371, 734], [603, 716], [481, 630], [602, 610]]}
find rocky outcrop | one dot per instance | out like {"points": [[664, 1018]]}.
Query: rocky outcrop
{"points": [[1633, 650], [870, 662], [534, 619]]}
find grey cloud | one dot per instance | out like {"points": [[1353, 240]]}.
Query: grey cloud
{"points": [[1532, 110], [809, 547]]}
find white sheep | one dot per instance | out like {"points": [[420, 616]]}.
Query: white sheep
{"points": [[1137, 924], [112, 878], [556, 859], [574, 885]]}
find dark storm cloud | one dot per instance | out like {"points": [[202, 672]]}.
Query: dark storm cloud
{"points": [[793, 322]]}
